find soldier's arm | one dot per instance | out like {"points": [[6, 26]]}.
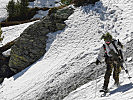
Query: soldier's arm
{"points": [[101, 54]]}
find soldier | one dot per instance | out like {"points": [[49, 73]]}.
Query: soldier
{"points": [[111, 51]]}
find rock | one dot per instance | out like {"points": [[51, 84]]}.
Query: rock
{"points": [[31, 44], [5, 71], [1, 80], [4, 60], [60, 26], [63, 14]]}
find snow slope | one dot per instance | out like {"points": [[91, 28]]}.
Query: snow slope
{"points": [[90, 91], [12, 32], [77, 46], [46, 3], [122, 25], [3, 12]]}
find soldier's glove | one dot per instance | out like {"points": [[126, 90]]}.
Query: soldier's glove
{"points": [[121, 61], [97, 62]]}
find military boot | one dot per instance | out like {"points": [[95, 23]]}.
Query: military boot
{"points": [[104, 89]]}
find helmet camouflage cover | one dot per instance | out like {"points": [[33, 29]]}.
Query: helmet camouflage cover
{"points": [[106, 36]]}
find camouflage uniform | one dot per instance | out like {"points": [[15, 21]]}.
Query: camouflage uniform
{"points": [[112, 59], [112, 64]]}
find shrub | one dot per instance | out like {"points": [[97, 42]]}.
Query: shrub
{"points": [[83, 2], [11, 8], [24, 8], [66, 2], [93, 1], [31, 0], [17, 11]]}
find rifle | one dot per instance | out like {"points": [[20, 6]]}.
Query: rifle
{"points": [[122, 59]]}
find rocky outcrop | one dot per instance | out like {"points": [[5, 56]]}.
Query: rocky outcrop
{"points": [[4, 60], [31, 45], [4, 70]]}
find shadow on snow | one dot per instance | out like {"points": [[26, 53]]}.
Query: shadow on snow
{"points": [[97, 9], [122, 88]]}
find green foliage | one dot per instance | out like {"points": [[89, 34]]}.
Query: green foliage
{"points": [[80, 2], [23, 8], [11, 8], [18, 10], [66, 2], [83, 2], [31, 0]]}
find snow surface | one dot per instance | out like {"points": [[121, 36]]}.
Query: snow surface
{"points": [[40, 14], [46, 3], [80, 39], [12, 32], [3, 12]]}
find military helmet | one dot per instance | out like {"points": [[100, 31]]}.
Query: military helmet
{"points": [[106, 36]]}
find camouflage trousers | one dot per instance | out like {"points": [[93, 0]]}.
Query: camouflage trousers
{"points": [[110, 66]]}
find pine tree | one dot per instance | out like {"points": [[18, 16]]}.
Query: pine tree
{"points": [[11, 8], [23, 8], [17, 8]]}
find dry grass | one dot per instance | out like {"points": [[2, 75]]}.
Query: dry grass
{"points": [[5, 24]]}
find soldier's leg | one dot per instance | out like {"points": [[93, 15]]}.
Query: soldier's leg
{"points": [[107, 76], [116, 72]]}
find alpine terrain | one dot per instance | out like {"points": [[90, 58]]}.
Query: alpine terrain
{"points": [[67, 70]]}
